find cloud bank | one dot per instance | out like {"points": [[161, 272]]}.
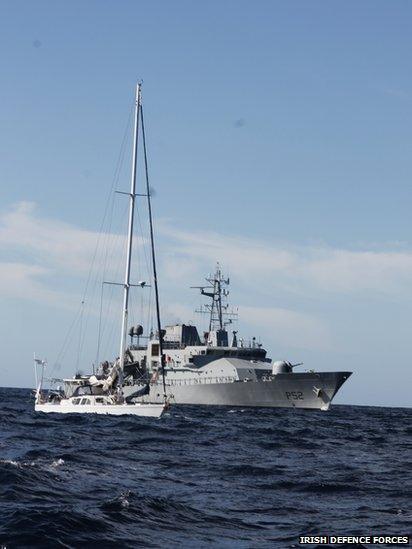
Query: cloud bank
{"points": [[48, 248]]}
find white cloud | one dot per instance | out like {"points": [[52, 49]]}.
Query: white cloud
{"points": [[291, 328], [305, 270], [60, 245], [54, 246], [343, 271], [44, 260], [46, 241], [49, 249], [19, 280]]}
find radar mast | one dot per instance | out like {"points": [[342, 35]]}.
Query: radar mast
{"points": [[218, 308]]}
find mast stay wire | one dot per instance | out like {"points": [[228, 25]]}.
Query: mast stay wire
{"points": [[66, 341], [104, 318], [104, 268], [79, 348], [149, 267], [156, 288], [63, 350], [115, 180], [107, 234], [109, 308]]}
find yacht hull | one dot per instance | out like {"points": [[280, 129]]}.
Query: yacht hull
{"points": [[139, 409], [289, 390]]}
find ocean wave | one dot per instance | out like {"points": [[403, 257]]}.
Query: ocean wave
{"points": [[202, 476]]}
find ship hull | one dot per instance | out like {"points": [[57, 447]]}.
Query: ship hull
{"points": [[290, 390], [143, 410]]}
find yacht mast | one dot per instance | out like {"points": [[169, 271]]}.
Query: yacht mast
{"points": [[132, 196]]}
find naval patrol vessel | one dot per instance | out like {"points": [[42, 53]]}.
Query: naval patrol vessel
{"points": [[209, 369]]}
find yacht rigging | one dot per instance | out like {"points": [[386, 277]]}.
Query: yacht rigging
{"points": [[104, 394]]}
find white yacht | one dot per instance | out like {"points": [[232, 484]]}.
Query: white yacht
{"points": [[105, 394]]}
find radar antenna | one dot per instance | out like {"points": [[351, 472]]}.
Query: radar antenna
{"points": [[218, 309]]}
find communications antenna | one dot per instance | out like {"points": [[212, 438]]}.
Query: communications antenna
{"points": [[218, 309]]}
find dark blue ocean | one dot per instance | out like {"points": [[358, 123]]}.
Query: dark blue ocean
{"points": [[201, 477]]}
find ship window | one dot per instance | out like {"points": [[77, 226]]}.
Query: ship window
{"points": [[155, 349], [83, 401], [99, 400], [76, 401], [84, 390]]}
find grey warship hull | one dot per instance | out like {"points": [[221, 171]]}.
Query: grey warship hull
{"points": [[289, 390]]}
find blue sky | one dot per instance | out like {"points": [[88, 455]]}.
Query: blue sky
{"points": [[280, 143]]}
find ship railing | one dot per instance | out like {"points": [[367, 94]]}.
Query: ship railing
{"points": [[166, 345], [201, 381]]}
